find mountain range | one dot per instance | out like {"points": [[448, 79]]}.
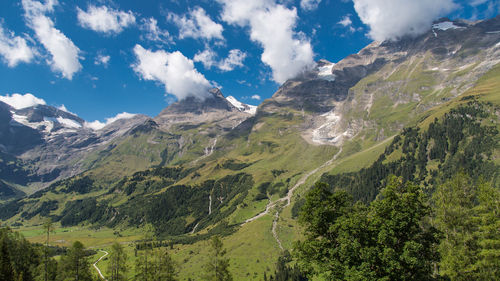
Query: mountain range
{"points": [[216, 165]]}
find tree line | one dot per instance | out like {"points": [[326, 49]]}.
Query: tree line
{"points": [[21, 260]]}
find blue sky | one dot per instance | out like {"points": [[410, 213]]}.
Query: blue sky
{"points": [[103, 57]]}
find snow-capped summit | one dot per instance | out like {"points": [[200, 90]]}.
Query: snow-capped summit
{"points": [[324, 69], [46, 118], [251, 109]]}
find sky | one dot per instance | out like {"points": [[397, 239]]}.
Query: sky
{"points": [[102, 58]]}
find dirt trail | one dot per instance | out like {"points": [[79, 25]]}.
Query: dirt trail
{"points": [[97, 268], [275, 234], [289, 195]]}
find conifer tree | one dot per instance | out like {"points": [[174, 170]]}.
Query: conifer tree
{"points": [[487, 265], [217, 267], [75, 264], [117, 267], [48, 227], [165, 268]]}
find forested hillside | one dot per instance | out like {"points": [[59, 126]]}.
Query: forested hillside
{"points": [[464, 139]]}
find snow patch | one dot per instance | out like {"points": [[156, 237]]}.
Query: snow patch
{"points": [[68, 122], [446, 25], [328, 133], [493, 32], [19, 120], [251, 109], [325, 72], [497, 44]]}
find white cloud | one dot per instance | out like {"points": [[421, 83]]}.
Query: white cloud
{"points": [[347, 22], [478, 2], [271, 25], [255, 97], [393, 19], [153, 32], [233, 60], [176, 72], [197, 24], [104, 19], [309, 5], [102, 60], [14, 49], [97, 125], [208, 58], [19, 101], [64, 55]]}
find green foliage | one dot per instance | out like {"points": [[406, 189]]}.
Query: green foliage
{"points": [[19, 260], [461, 140], [167, 211], [468, 214], [79, 185], [285, 272], [217, 267], [387, 240], [164, 268], [117, 267], [234, 165], [81, 210], [75, 265]]}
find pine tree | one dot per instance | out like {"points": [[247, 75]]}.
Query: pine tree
{"points": [[48, 227], [217, 267], [143, 269], [487, 265], [165, 268], [75, 264], [454, 208], [117, 267], [6, 270]]}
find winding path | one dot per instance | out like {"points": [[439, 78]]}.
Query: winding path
{"points": [[97, 268], [289, 195], [288, 198]]}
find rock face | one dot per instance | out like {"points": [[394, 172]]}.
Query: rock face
{"points": [[365, 97], [215, 108], [40, 144], [403, 78], [45, 144]]}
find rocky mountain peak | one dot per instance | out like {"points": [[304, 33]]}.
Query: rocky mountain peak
{"points": [[214, 101]]}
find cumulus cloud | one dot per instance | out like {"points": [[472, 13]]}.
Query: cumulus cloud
{"points": [[208, 58], [105, 20], [97, 125], [233, 60], [197, 24], [272, 26], [64, 55], [175, 71], [309, 5], [153, 32], [14, 49], [19, 101], [393, 19], [255, 97], [102, 60]]}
